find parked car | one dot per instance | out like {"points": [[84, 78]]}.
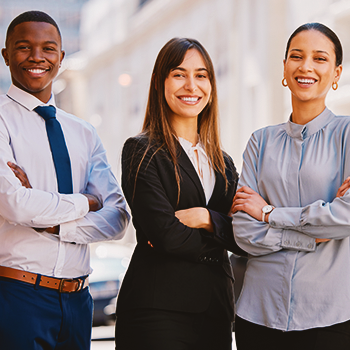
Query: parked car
{"points": [[109, 262]]}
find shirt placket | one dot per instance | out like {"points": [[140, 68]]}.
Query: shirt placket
{"points": [[294, 186], [61, 255]]}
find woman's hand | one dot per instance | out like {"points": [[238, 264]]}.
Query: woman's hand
{"points": [[341, 191], [322, 240], [249, 201], [195, 218], [343, 188]]}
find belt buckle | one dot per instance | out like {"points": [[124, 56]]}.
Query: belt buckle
{"points": [[63, 280]]}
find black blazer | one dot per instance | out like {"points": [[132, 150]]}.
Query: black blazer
{"points": [[187, 269]]}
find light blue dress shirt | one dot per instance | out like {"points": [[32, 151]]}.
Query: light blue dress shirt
{"points": [[291, 283], [23, 140]]}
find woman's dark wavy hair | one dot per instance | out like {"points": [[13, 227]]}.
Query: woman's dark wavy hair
{"points": [[156, 123], [325, 31]]}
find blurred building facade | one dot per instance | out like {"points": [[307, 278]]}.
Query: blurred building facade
{"points": [[107, 82], [65, 12]]}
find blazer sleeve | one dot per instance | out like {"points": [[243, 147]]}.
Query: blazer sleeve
{"points": [[151, 209]]}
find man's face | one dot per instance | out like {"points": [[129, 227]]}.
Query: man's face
{"points": [[33, 54]]}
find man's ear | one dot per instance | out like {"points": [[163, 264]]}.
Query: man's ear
{"points": [[5, 55], [63, 54]]}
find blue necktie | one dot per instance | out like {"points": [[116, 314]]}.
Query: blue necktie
{"points": [[58, 147]]}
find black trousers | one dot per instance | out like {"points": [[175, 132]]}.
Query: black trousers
{"points": [[168, 330], [250, 336]]}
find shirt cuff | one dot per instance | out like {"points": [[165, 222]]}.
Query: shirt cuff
{"points": [[285, 218], [81, 204], [67, 231], [78, 208], [294, 240]]}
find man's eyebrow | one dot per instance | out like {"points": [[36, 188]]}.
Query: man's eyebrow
{"points": [[27, 42]]}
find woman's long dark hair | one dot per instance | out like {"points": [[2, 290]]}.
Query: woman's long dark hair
{"points": [[156, 123], [338, 50]]}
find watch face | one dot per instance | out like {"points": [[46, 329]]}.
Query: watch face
{"points": [[267, 209]]}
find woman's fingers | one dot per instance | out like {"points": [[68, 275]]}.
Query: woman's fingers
{"points": [[249, 201], [322, 240], [245, 189], [343, 188]]}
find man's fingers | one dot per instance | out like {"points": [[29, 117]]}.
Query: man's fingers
{"points": [[20, 174]]}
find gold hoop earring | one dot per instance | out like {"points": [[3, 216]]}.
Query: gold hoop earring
{"points": [[335, 86], [284, 82]]}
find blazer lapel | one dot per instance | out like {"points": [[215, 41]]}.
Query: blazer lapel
{"points": [[186, 164], [218, 188]]}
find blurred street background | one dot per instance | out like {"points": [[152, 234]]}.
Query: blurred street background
{"points": [[111, 46]]}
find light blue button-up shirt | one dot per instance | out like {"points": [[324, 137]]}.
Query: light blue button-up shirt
{"points": [[291, 283], [23, 140]]}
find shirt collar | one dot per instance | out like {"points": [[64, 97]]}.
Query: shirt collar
{"points": [[190, 149], [313, 126], [27, 100], [188, 144]]}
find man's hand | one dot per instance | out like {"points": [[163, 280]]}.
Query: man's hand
{"points": [[20, 174], [94, 202]]}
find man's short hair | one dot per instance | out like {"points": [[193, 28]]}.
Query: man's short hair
{"points": [[31, 16]]}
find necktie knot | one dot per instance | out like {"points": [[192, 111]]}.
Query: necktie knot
{"points": [[46, 112]]}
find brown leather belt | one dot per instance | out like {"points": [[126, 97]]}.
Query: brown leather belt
{"points": [[62, 285]]}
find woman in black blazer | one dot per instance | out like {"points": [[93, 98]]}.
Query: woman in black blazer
{"points": [[178, 290]]}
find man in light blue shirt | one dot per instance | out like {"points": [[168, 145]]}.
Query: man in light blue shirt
{"points": [[44, 252]]}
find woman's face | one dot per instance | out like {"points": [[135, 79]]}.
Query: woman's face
{"points": [[187, 88], [310, 67]]}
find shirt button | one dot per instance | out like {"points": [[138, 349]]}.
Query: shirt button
{"points": [[298, 244], [286, 242], [310, 245]]}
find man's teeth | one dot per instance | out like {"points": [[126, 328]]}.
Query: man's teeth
{"points": [[190, 99], [36, 71], [306, 81]]}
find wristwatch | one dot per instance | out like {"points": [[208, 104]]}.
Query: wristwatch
{"points": [[266, 210]]}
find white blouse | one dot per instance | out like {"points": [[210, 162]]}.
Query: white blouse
{"points": [[201, 163]]}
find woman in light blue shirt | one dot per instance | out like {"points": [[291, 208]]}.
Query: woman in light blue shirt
{"points": [[292, 211]]}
